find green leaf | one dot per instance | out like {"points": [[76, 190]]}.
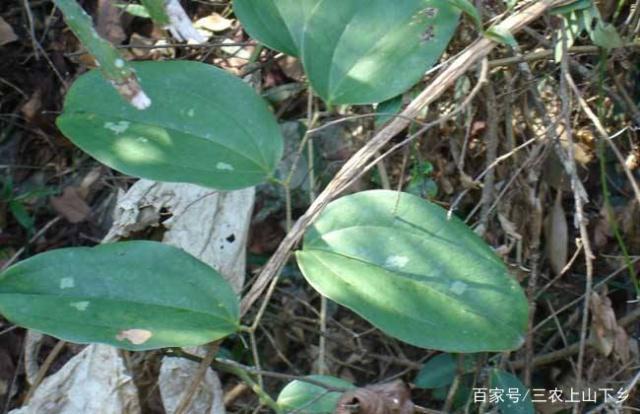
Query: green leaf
{"points": [[21, 215], [572, 7], [306, 398], [367, 51], [387, 110], [440, 370], [606, 36], [204, 126], [397, 260], [135, 295], [501, 35], [515, 398], [279, 24], [137, 10], [470, 10]]}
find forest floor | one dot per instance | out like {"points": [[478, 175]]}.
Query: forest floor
{"points": [[501, 163]]}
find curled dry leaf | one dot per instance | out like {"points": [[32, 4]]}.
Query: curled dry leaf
{"points": [[606, 334], [71, 205], [390, 398], [7, 35], [212, 23], [557, 236]]}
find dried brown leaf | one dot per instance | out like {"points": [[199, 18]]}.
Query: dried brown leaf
{"points": [[108, 22], [212, 23], [390, 398], [557, 236], [605, 331], [71, 205], [7, 35]]}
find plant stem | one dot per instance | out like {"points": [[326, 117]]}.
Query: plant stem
{"points": [[112, 65]]}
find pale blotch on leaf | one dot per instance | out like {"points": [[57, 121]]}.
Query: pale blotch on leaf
{"points": [[223, 166], [458, 287], [191, 113], [117, 128], [81, 306], [135, 336], [396, 261], [67, 283], [141, 101]]}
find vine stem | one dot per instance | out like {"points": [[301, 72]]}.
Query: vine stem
{"points": [[473, 54], [111, 63]]}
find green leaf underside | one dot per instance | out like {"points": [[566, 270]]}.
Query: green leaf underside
{"points": [[415, 275], [310, 398], [509, 383], [440, 370], [204, 126], [356, 51], [90, 295]]}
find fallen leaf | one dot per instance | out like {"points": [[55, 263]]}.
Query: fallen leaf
{"points": [[212, 23], [390, 398], [292, 67], [108, 22], [32, 107], [7, 35], [557, 236], [71, 205], [606, 334]]}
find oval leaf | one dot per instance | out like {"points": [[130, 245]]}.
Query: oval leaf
{"points": [[306, 398], [204, 126], [397, 260], [134, 295], [279, 24], [367, 51]]}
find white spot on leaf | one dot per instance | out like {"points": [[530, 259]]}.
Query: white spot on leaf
{"points": [[141, 101], [143, 140], [224, 166], [396, 261], [191, 113], [135, 336], [119, 63], [458, 287], [67, 283], [118, 128], [81, 306]]}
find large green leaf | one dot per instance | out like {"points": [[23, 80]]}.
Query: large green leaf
{"points": [[204, 126], [278, 24], [305, 398], [366, 51], [355, 51], [397, 260], [135, 295]]}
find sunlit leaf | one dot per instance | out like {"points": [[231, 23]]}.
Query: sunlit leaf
{"points": [[204, 126], [397, 260], [135, 295]]}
